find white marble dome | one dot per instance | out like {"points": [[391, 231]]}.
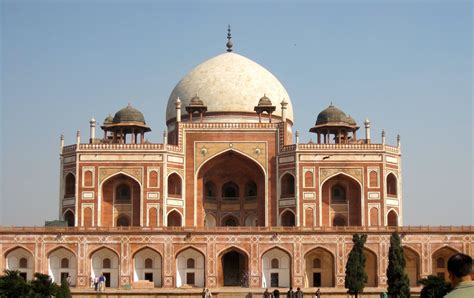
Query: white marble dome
{"points": [[229, 83]]}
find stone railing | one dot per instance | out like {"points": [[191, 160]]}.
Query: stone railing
{"points": [[241, 230], [340, 147], [228, 125], [125, 147]]}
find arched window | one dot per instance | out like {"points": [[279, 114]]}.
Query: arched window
{"points": [[23, 263], [230, 222], [308, 179], [122, 221], [275, 264], [174, 219], [153, 179], [64, 263], [123, 194], [339, 221], [287, 185], [317, 263], [190, 263], [174, 185], [230, 191], [288, 219], [250, 189], [70, 186], [391, 184], [148, 263], [392, 219], [210, 190], [440, 263], [338, 193], [106, 263], [88, 178], [69, 218]]}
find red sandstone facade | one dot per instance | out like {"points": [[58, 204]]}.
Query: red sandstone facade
{"points": [[228, 199]]}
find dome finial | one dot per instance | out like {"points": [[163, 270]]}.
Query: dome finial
{"points": [[229, 41]]}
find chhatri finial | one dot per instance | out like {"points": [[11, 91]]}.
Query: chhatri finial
{"points": [[229, 41]]}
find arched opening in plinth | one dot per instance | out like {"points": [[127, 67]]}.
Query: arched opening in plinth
{"points": [[22, 260], [233, 268], [190, 268], [319, 268], [341, 201], [412, 265], [440, 262], [232, 183], [276, 268], [147, 266], [120, 206], [371, 268], [62, 264], [105, 261]]}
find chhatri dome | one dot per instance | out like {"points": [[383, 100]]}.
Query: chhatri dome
{"points": [[229, 84]]}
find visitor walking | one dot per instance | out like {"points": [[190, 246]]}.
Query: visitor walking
{"points": [[96, 283]]}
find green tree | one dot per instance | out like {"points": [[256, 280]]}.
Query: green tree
{"points": [[13, 285], [63, 290], [356, 276], [397, 279], [43, 286], [434, 287]]}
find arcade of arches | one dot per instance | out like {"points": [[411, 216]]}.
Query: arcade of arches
{"points": [[233, 190], [232, 266]]}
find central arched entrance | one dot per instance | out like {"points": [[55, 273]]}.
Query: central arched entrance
{"points": [[231, 191], [233, 268]]}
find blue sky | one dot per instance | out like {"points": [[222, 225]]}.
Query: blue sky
{"points": [[406, 65]]}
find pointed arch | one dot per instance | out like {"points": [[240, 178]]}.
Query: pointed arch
{"points": [[69, 217], [69, 185], [288, 218], [439, 261], [352, 208], [323, 275], [234, 266], [219, 168], [371, 267], [392, 184], [234, 151], [174, 218], [100, 259], [190, 276], [175, 184], [62, 261], [287, 185], [147, 265], [276, 277], [412, 264], [22, 259], [101, 199], [392, 218]]}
